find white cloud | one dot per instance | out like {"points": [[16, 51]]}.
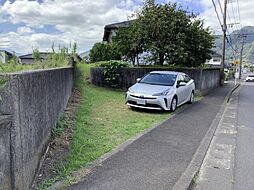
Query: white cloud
{"points": [[84, 20], [78, 20], [24, 30], [246, 14]]}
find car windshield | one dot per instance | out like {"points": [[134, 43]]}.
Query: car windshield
{"points": [[159, 79]]}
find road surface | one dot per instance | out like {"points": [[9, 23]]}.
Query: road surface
{"points": [[244, 157], [229, 162]]}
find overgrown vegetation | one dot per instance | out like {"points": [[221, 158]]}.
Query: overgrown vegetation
{"points": [[55, 59], [104, 52], [250, 67], [99, 128], [103, 121], [112, 71], [167, 33], [62, 124], [3, 82], [13, 65]]}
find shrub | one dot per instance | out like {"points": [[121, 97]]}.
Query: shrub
{"points": [[112, 71], [54, 60], [104, 52]]}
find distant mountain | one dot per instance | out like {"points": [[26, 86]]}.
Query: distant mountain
{"points": [[236, 41]]}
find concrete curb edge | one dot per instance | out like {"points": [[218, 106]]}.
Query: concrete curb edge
{"points": [[232, 92], [187, 179]]}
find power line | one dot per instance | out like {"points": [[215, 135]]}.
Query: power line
{"points": [[233, 23], [217, 14], [226, 33], [223, 13], [229, 40], [238, 7]]}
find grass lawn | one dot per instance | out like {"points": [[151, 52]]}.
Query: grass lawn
{"points": [[103, 122]]}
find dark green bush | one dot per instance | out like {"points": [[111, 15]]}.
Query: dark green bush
{"points": [[104, 52], [112, 71]]}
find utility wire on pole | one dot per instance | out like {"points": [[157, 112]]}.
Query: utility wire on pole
{"points": [[241, 56], [224, 30]]}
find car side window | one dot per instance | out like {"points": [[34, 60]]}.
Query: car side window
{"points": [[180, 79], [187, 78]]}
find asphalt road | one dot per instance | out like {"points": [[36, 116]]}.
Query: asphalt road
{"points": [[157, 159], [229, 162], [244, 156]]}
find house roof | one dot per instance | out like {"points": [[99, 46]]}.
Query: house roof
{"points": [[7, 52], [118, 24], [43, 55], [214, 54], [108, 28]]}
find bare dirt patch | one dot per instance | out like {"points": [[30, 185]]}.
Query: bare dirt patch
{"points": [[59, 146]]}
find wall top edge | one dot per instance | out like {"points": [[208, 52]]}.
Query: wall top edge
{"points": [[35, 71]]}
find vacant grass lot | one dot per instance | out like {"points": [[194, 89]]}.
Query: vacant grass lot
{"points": [[103, 122]]}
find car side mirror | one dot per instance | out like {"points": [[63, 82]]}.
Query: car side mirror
{"points": [[138, 79], [181, 84]]}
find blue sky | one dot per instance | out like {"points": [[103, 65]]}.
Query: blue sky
{"points": [[27, 24]]}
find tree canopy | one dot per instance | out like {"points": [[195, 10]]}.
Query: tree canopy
{"points": [[104, 52], [129, 42], [169, 33]]}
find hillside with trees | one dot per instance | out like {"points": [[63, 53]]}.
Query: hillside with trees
{"points": [[236, 41]]}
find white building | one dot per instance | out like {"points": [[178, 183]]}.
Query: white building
{"points": [[215, 61], [5, 56]]}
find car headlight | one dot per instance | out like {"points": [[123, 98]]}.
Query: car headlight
{"points": [[166, 92], [130, 90]]}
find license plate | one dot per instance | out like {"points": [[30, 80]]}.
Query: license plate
{"points": [[141, 102]]}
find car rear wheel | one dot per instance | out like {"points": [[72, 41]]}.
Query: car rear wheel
{"points": [[173, 105]]}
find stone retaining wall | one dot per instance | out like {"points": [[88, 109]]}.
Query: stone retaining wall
{"points": [[205, 79], [35, 100]]}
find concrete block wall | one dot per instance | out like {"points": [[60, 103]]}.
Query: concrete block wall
{"points": [[35, 99], [5, 153], [205, 79], [210, 79]]}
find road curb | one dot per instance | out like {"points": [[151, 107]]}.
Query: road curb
{"points": [[232, 92], [188, 178]]}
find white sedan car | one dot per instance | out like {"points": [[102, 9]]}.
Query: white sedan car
{"points": [[250, 78], [161, 90]]}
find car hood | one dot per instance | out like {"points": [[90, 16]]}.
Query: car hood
{"points": [[148, 89]]}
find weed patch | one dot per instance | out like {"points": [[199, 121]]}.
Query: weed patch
{"points": [[103, 121]]}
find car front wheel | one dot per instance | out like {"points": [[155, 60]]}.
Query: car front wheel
{"points": [[191, 98], [173, 105]]}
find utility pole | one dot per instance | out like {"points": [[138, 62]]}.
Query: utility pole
{"points": [[241, 57], [224, 30]]}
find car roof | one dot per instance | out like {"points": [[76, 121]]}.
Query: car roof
{"points": [[167, 72]]}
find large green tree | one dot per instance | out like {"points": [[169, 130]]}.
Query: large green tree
{"points": [[129, 41], [172, 34], [199, 46]]}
